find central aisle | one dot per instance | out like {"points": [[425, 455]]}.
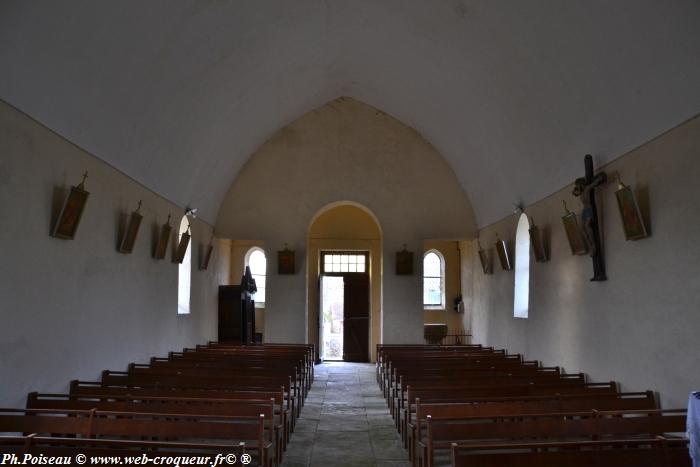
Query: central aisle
{"points": [[345, 422]]}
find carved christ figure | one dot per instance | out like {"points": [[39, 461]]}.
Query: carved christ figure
{"points": [[584, 191]]}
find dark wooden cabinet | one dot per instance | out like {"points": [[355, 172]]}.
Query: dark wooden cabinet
{"points": [[236, 315]]}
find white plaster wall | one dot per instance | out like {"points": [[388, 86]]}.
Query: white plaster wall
{"points": [[466, 276], [346, 151], [641, 327], [69, 309]]}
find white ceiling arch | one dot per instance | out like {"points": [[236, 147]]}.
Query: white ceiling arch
{"points": [[179, 94]]}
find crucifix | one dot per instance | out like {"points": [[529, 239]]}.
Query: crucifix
{"points": [[584, 188]]}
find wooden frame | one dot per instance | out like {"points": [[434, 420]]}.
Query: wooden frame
{"points": [[536, 241], [206, 257], [163, 240], [504, 258], [573, 233], [404, 262], [182, 246], [323, 254], [286, 261], [484, 258], [132, 230], [71, 212], [631, 217]]}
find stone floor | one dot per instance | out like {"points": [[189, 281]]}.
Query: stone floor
{"points": [[345, 422]]}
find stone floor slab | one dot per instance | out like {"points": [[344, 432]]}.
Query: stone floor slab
{"points": [[345, 422]]}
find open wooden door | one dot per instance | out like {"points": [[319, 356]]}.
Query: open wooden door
{"points": [[356, 318]]}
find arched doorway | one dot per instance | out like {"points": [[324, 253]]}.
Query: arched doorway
{"points": [[344, 282]]}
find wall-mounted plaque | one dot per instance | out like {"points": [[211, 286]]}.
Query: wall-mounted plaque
{"points": [[503, 256], [182, 245], [131, 232], [537, 243], [71, 212], [484, 258], [404, 262], [163, 240], [286, 261], [632, 221], [573, 233], [205, 255]]}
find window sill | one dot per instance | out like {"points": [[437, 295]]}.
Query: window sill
{"points": [[434, 308]]}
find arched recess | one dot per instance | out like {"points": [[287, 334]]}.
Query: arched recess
{"points": [[345, 150], [256, 259], [433, 280], [344, 226]]}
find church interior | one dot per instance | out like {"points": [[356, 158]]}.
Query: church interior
{"points": [[317, 215]]}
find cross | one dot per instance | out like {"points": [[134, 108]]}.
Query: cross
{"points": [[584, 188]]}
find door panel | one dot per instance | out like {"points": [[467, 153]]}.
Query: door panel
{"points": [[320, 355], [356, 318], [331, 317]]}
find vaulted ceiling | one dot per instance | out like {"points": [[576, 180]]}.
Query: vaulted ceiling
{"points": [[178, 94]]}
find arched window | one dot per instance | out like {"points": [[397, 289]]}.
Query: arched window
{"points": [[255, 258], [184, 273], [433, 280], [522, 268]]}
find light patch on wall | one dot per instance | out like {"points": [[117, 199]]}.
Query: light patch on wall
{"points": [[522, 268]]}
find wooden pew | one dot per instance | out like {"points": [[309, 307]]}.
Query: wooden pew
{"points": [[658, 452], [188, 395], [298, 366], [297, 380], [445, 367], [392, 360], [170, 405], [466, 368], [199, 429], [485, 395], [469, 392], [97, 389], [447, 358], [221, 383], [515, 406], [566, 426], [307, 353], [310, 349], [476, 376], [384, 350], [245, 355], [486, 378], [61, 447]]}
